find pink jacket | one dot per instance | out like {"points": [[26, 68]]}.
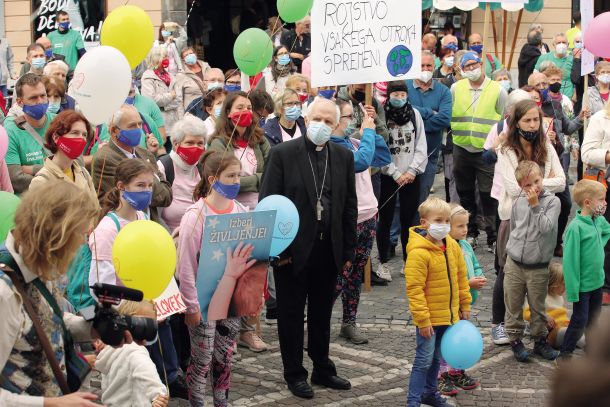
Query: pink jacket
{"points": [[189, 246]]}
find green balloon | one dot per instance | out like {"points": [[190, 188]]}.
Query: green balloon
{"points": [[293, 10], [252, 51], [8, 207]]}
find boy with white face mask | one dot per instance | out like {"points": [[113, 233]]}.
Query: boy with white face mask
{"points": [[438, 292]]}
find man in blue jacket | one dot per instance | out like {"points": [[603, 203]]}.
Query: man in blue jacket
{"points": [[433, 101]]}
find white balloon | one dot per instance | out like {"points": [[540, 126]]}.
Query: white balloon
{"points": [[101, 82]]}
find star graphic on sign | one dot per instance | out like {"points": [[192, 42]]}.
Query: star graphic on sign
{"points": [[213, 222], [217, 255]]}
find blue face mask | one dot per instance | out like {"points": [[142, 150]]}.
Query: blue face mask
{"points": [[130, 100], [544, 93], [64, 26], [140, 201], [36, 112], [292, 113], [217, 111], [229, 191], [166, 34], [398, 102], [232, 88], [261, 122], [327, 94], [54, 107], [577, 45], [190, 59], [131, 137], [38, 63], [477, 48], [283, 60], [48, 53]]}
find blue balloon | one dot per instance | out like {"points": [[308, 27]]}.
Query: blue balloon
{"points": [[286, 221], [462, 345]]}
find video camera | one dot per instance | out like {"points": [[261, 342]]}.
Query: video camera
{"points": [[110, 325]]}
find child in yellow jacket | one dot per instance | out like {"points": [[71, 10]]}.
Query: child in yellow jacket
{"points": [[438, 293]]}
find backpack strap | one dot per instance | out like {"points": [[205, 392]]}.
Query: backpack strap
{"points": [[500, 126], [11, 269], [168, 164], [491, 62], [115, 218]]}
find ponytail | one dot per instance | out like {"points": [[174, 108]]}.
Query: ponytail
{"points": [[213, 163], [126, 171]]}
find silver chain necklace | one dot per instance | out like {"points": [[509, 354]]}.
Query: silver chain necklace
{"points": [[319, 207]]}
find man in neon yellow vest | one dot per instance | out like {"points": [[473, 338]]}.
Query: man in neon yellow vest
{"points": [[478, 104]]}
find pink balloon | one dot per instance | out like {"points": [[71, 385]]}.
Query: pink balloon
{"points": [[597, 34], [3, 143]]}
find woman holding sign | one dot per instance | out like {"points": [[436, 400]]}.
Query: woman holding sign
{"points": [[212, 337]]}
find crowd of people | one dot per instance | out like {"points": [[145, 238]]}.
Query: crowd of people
{"points": [[192, 141]]}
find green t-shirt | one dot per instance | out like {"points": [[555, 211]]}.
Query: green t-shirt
{"points": [[489, 69], [67, 45], [565, 64], [23, 149], [104, 135], [147, 106]]}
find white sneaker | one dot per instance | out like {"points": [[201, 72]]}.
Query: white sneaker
{"points": [[498, 335], [383, 272]]}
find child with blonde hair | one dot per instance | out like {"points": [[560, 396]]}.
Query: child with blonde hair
{"points": [[450, 379], [438, 292], [583, 260]]}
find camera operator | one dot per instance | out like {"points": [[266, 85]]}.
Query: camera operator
{"points": [[51, 223]]}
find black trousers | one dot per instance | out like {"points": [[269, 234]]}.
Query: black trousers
{"points": [[314, 285], [469, 170], [409, 202], [566, 207]]}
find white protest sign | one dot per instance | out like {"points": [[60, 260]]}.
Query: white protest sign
{"points": [[587, 59], [170, 302], [365, 41]]}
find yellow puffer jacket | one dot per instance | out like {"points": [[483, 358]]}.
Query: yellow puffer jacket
{"points": [[436, 295]]}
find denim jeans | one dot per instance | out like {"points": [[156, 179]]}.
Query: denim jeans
{"points": [[424, 374], [169, 359], [584, 313]]}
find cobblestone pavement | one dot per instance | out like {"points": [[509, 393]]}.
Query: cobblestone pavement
{"points": [[379, 371]]}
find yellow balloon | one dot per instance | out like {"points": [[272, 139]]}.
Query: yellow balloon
{"points": [[144, 257], [130, 30]]}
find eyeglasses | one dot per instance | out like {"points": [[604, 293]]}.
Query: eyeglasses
{"points": [[233, 83], [471, 67]]}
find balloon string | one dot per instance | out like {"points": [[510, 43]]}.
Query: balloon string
{"points": [[161, 352]]}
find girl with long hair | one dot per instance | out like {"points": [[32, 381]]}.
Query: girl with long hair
{"points": [[212, 339]]}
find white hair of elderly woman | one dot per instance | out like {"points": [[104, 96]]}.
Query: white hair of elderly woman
{"points": [[189, 125], [53, 65], [154, 57], [516, 96]]}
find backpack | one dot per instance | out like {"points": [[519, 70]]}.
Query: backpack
{"points": [[168, 164], [77, 290]]}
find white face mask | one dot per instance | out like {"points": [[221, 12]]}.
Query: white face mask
{"points": [[425, 76], [472, 75], [561, 49], [449, 61], [605, 78], [439, 231]]}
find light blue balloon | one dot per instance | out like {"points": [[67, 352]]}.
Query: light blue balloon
{"points": [[462, 345], [286, 221]]}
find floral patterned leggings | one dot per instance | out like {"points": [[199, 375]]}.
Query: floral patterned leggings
{"points": [[349, 281], [211, 348]]}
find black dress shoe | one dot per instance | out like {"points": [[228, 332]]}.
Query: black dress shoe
{"points": [[301, 389], [333, 382], [376, 280]]}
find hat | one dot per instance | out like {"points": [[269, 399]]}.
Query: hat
{"points": [[451, 46], [396, 86], [469, 56]]}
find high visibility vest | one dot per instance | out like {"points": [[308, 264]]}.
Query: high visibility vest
{"points": [[470, 126]]}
